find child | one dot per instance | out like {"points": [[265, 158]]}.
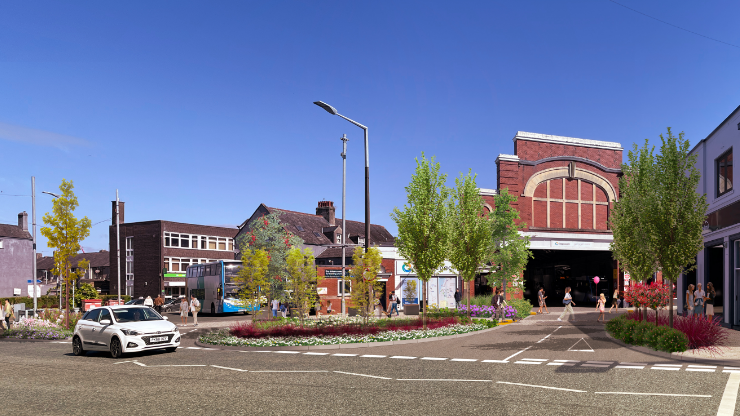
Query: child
{"points": [[600, 306]]}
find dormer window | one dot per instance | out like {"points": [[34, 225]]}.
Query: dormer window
{"points": [[339, 239], [360, 241]]}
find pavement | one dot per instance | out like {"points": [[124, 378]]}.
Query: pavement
{"points": [[536, 367]]}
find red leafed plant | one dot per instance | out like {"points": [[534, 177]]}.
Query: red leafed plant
{"points": [[702, 333]]}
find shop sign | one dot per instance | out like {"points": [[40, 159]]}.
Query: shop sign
{"points": [[572, 244], [335, 273], [322, 290]]}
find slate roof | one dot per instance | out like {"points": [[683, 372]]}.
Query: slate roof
{"points": [[96, 259], [14, 231]]}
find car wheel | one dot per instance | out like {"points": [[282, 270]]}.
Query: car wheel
{"points": [[116, 351], [213, 309], [171, 349], [77, 346]]}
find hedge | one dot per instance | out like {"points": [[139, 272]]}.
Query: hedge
{"points": [[49, 302], [641, 333]]}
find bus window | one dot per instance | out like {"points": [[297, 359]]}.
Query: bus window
{"points": [[208, 270], [217, 269]]}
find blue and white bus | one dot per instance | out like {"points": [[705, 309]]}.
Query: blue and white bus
{"points": [[214, 287]]}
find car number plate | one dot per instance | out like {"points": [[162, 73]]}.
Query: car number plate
{"points": [[157, 339]]}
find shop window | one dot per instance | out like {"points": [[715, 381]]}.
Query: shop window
{"points": [[222, 244], [724, 173]]}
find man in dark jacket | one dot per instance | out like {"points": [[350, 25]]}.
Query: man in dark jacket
{"points": [[498, 303], [458, 297]]}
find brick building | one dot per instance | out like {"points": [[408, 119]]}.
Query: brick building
{"points": [[564, 187], [98, 274], [155, 254]]}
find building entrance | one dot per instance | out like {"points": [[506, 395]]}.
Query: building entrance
{"points": [[557, 269], [715, 273]]}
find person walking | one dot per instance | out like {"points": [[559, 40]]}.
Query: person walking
{"points": [[689, 301], [458, 298], [275, 307], [600, 305], [615, 301], [541, 298], [9, 313], [394, 303], [568, 302], [709, 301], [184, 312], [699, 300], [158, 302], [194, 309], [498, 305], [328, 307], [149, 302], [283, 309]]}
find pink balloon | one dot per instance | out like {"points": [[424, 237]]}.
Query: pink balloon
{"points": [[596, 280]]}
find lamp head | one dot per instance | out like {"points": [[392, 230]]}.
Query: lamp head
{"points": [[54, 195], [329, 109]]}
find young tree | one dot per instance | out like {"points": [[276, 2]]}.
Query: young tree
{"points": [[469, 229], [252, 278], [65, 232], [85, 291], [512, 252], [302, 279], [364, 277], [268, 234], [423, 227], [678, 211], [630, 217]]}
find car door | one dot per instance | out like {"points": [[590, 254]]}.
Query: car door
{"points": [[102, 334], [88, 327]]}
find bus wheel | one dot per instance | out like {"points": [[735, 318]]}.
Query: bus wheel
{"points": [[213, 309]]}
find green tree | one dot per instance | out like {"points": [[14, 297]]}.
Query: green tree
{"points": [[268, 234], [252, 278], [678, 211], [512, 252], [302, 280], [85, 291], [364, 277], [64, 233], [423, 225], [630, 217], [470, 230]]}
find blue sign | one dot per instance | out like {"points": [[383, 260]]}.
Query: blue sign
{"points": [[31, 281]]}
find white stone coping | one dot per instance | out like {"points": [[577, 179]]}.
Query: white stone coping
{"points": [[487, 192], [507, 158], [548, 138], [566, 236]]}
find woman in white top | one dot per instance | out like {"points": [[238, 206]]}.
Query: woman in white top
{"points": [[568, 302], [149, 302], [690, 300], [184, 307], [699, 300]]}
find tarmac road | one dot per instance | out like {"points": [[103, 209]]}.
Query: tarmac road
{"points": [[526, 373]]}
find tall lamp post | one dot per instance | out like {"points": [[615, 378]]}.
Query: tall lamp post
{"points": [[331, 110], [344, 214], [59, 278]]}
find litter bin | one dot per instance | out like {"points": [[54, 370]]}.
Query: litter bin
{"points": [[88, 304]]}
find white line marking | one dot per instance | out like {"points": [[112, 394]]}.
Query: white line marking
{"points": [[344, 355], [548, 335], [666, 368], [631, 366], [514, 355], [138, 363], [600, 362], [403, 357], [584, 340], [363, 375], [581, 350], [732, 368], [702, 366], [316, 353], [229, 368], [290, 371], [566, 364], [729, 398], [373, 356], [178, 365], [441, 359], [487, 361], [527, 362], [439, 379], [640, 364], [287, 352], [194, 348], [652, 394], [533, 359], [731, 371], [463, 359], [594, 365], [566, 361], [704, 370], [541, 387], [668, 365]]}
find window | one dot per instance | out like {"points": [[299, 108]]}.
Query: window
{"points": [[316, 233], [348, 290], [222, 243], [184, 240], [361, 241], [1, 243], [129, 263], [105, 314], [201, 242], [211, 243], [92, 315], [299, 228], [724, 173], [339, 238]]}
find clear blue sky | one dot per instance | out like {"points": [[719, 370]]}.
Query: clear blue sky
{"points": [[199, 111]]}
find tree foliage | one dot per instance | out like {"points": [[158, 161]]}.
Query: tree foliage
{"points": [[302, 280], [470, 230], [364, 278], [64, 233], [85, 291], [423, 226], [252, 278], [512, 252]]}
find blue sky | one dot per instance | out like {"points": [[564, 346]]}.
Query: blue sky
{"points": [[199, 111]]}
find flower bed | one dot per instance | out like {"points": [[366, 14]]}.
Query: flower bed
{"points": [[700, 333], [36, 329]]}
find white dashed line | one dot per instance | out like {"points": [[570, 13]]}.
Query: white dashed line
{"points": [[438, 359], [229, 368], [403, 357], [666, 368], [364, 375], [344, 355], [463, 359], [440, 379], [540, 387], [534, 359], [287, 352], [373, 356], [316, 353], [729, 397], [194, 348], [652, 394], [637, 367], [528, 362]]}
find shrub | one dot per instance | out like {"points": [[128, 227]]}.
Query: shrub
{"points": [[652, 339], [616, 326], [641, 332], [673, 341], [488, 322], [628, 331], [523, 307]]}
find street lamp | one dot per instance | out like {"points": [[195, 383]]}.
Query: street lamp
{"points": [[331, 110]]}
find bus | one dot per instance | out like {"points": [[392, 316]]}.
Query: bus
{"points": [[214, 287]]}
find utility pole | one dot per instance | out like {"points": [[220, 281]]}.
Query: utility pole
{"points": [[118, 248], [344, 214], [33, 219]]}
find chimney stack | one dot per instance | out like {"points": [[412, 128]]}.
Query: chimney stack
{"points": [[23, 220], [120, 212], [326, 210]]}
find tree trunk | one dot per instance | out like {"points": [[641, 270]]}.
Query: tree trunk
{"points": [[467, 293], [670, 304], [66, 298], [424, 297]]}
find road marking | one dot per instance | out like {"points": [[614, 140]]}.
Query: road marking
{"points": [[463, 359], [364, 375], [668, 365], [194, 348], [514, 355], [702, 366], [229, 368], [631, 366], [489, 361], [652, 394], [373, 356], [548, 335], [287, 352], [586, 342], [600, 362], [729, 398], [565, 364], [439, 379], [703, 370], [344, 355], [178, 365], [528, 362], [403, 357], [666, 368], [290, 371], [566, 361], [533, 359], [441, 359], [540, 387], [316, 353]]}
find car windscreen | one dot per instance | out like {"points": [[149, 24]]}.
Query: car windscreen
{"points": [[135, 315]]}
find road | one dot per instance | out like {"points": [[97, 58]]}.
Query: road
{"points": [[538, 367]]}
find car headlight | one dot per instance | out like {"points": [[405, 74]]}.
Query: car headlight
{"points": [[130, 332]]}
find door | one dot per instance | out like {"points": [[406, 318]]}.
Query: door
{"points": [[102, 333], [88, 327]]}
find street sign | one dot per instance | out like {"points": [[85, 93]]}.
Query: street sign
{"points": [[31, 281]]}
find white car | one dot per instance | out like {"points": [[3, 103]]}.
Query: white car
{"points": [[122, 329]]}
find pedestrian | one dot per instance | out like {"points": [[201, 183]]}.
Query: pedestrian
{"points": [[328, 307], [9, 313], [699, 300], [184, 312], [498, 305], [194, 309], [615, 301], [568, 302], [458, 298], [2, 316], [689, 305], [600, 305], [317, 308], [158, 303], [283, 309], [394, 303], [275, 306], [709, 301], [541, 298], [148, 301]]}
